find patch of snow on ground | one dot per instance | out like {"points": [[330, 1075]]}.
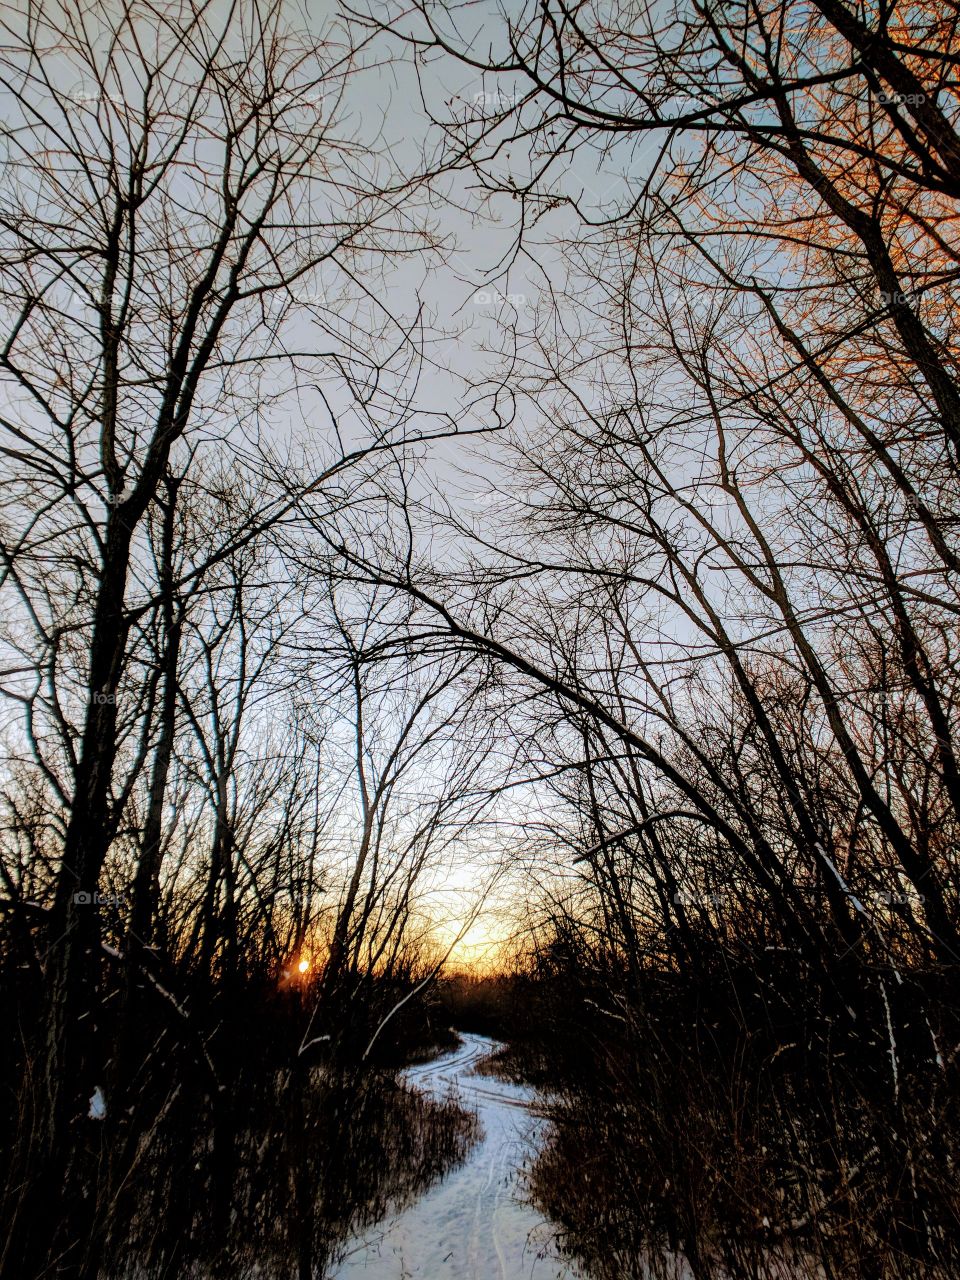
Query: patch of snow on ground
{"points": [[472, 1224]]}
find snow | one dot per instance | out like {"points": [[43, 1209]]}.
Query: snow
{"points": [[473, 1224]]}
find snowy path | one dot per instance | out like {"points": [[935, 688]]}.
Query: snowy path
{"points": [[471, 1225]]}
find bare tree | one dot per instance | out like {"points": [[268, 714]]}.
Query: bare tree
{"points": [[720, 476], [178, 191]]}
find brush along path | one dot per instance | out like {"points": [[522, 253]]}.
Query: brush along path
{"points": [[472, 1224]]}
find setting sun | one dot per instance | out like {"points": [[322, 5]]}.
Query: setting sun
{"points": [[303, 966]]}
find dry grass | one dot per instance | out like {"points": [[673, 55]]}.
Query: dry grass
{"points": [[359, 1145], [730, 1171]]}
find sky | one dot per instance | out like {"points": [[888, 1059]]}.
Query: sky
{"points": [[464, 293]]}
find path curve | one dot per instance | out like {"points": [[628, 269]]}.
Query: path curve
{"points": [[472, 1224]]}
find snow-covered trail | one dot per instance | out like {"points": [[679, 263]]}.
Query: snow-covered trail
{"points": [[471, 1225]]}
